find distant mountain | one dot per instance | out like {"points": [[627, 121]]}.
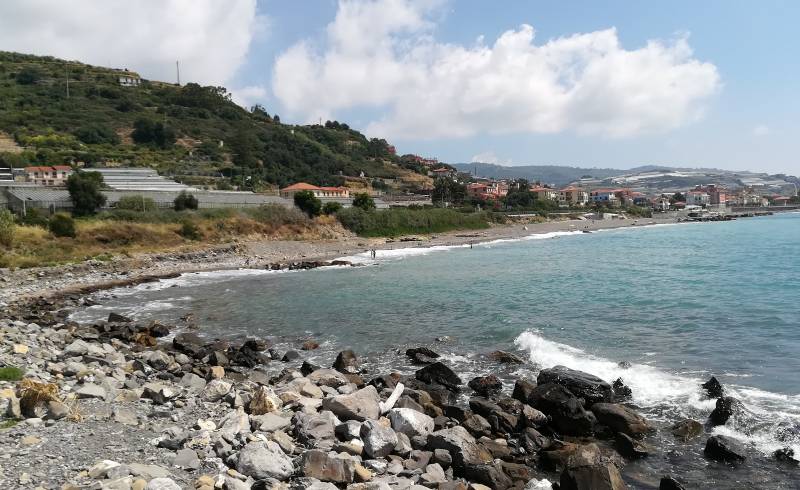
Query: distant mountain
{"points": [[547, 174]]}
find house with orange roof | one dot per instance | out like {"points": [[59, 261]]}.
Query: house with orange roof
{"points": [[572, 196], [319, 192], [544, 193], [49, 175]]}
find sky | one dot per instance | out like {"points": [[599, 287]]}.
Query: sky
{"points": [[583, 83]]}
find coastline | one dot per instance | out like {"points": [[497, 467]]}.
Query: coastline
{"points": [[94, 275]]}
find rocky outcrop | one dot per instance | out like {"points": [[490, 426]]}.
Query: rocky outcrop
{"points": [[621, 419], [582, 385], [726, 408], [564, 409], [726, 449], [439, 373]]}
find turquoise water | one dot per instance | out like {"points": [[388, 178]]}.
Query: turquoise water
{"points": [[680, 302]]}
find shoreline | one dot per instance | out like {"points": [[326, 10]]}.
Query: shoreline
{"points": [[94, 275]]}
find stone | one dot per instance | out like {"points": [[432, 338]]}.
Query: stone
{"points": [[192, 382], [726, 408], [601, 476], [477, 425], [269, 422], [328, 466], [148, 471], [347, 362], [403, 447], [486, 385], [189, 343], [91, 391], [533, 418], [310, 345], [218, 358], [264, 400], [291, 355], [421, 355], [629, 447], [565, 410], [157, 359], [215, 390], [117, 318], [125, 416], [533, 441], [30, 441], [234, 423], [216, 372], [669, 483], [315, 430], [523, 389], [101, 468], [491, 475], [363, 404], [686, 430], [348, 430], [262, 460], [786, 455], [76, 348], [20, 349], [726, 449], [621, 419], [434, 474], [622, 392], [582, 385], [186, 459], [379, 441], [410, 422], [57, 410], [461, 445], [442, 457], [504, 357], [439, 373], [362, 474], [160, 393], [162, 484], [311, 391], [713, 388], [327, 377]]}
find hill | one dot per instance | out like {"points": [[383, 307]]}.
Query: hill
{"points": [[55, 111], [548, 174]]}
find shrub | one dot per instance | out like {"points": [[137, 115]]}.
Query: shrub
{"points": [[33, 217], [276, 215], [147, 131], [137, 203], [190, 230], [363, 201], [84, 190], [331, 207], [11, 373], [28, 76], [6, 228], [308, 203], [96, 134], [398, 221], [62, 225], [185, 201]]}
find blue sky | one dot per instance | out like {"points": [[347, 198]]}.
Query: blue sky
{"points": [[707, 83]]}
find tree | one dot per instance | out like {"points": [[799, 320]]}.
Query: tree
{"points": [[244, 146], [6, 228], [28, 76], [308, 203], [677, 197], [185, 201], [363, 201], [84, 191], [522, 198], [448, 191], [147, 131], [96, 134], [331, 207]]}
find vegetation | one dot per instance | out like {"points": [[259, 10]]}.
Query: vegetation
{"points": [[308, 203], [62, 225], [11, 373], [190, 230], [404, 221], [84, 191], [331, 207], [448, 191], [363, 201], [136, 203], [185, 201], [6, 228]]}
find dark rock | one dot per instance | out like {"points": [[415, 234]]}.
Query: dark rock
{"points": [[587, 469], [436, 393], [621, 391], [387, 381], [504, 357], [621, 419], [438, 373], [486, 385], [308, 368], [477, 425], [188, 343], [461, 446], [583, 385], [291, 355], [406, 401], [310, 345], [117, 318], [713, 388], [786, 455], [256, 345], [687, 429], [248, 357], [624, 364], [218, 358], [630, 448], [500, 420], [723, 448], [523, 389], [726, 408], [566, 411], [669, 483], [490, 475], [456, 412], [347, 362], [158, 329], [557, 454], [533, 441], [422, 355]]}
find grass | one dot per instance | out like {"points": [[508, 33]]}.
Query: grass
{"points": [[8, 423], [396, 222], [11, 373]]}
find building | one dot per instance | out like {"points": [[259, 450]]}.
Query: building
{"points": [[487, 190], [698, 198], [442, 172], [716, 195], [129, 79], [606, 197], [661, 204], [55, 175], [319, 192], [573, 197], [6, 174], [544, 193], [138, 179]]}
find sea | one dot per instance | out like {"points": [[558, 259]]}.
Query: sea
{"points": [[663, 307]]}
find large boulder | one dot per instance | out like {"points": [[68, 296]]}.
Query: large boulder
{"points": [[379, 441], [317, 430], [523, 389], [588, 469], [621, 419], [327, 377], [726, 449], [486, 385], [499, 419], [347, 362], [264, 400], [328, 466], [583, 385], [713, 388], [726, 408], [262, 460], [686, 429], [410, 422], [421, 355], [439, 373], [461, 446], [564, 409], [360, 405]]}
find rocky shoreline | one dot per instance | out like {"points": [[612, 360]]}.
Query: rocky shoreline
{"points": [[120, 405]]}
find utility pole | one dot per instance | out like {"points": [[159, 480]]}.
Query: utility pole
{"points": [[178, 71]]}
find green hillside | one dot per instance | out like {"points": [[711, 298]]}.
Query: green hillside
{"points": [[56, 112]]}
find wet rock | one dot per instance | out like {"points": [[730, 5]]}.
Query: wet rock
{"points": [[564, 409], [461, 446], [491, 475], [117, 318], [328, 467], [410, 422], [621, 419], [621, 391], [422, 355], [723, 448], [310, 345], [713, 388], [439, 373], [499, 419], [361, 405], [218, 358], [262, 460], [256, 345], [523, 389], [264, 400], [669, 483], [624, 364], [582, 385], [477, 425], [533, 418], [379, 441], [687, 429], [188, 343], [486, 385], [726, 408], [533, 441], [504, 357], [347, 362], [629, 447], [291, 355], [307, 368], [786, 455]]}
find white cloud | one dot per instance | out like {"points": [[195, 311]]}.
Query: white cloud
{"points": [[382, 55], [489, 157], [249, 96], [209, 37], [761, 130]]}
